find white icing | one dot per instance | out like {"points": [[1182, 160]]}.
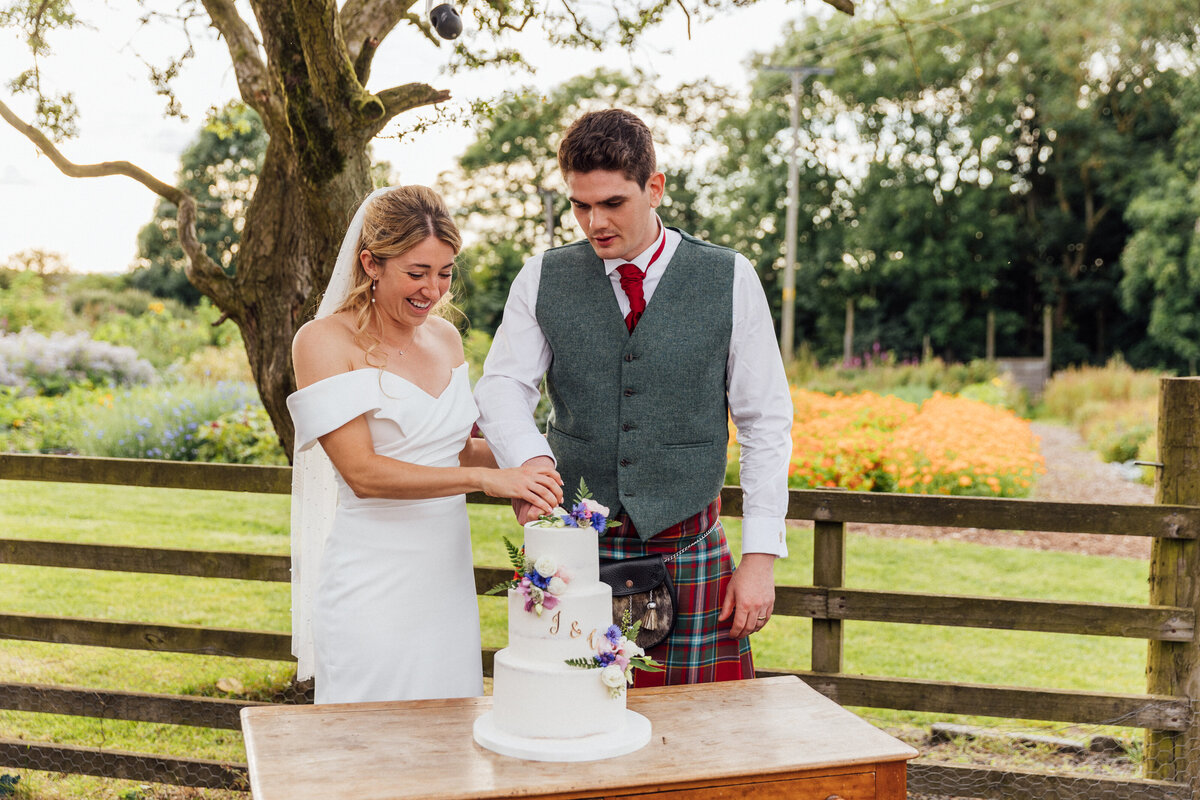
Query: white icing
{"points": [[575, 549], [585, 612], [548, 700]]}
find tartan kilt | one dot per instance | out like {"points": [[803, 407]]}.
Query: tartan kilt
{"points": [[699, 649]]}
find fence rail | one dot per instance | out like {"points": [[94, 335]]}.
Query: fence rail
{"points": [[1165, 709]]}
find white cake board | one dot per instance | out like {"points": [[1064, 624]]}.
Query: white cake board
{"points": [[634, 735]]}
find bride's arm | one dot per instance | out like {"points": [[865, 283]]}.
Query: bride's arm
{"points": [[369, 474], [476, 453]]}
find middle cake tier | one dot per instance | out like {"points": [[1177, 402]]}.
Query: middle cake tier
{"points": [[569, 630]]}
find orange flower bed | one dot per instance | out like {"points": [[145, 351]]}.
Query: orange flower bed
{"points": [[947, 445]]}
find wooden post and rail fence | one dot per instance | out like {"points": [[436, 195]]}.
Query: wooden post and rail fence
{"points": [[1167, 711]]}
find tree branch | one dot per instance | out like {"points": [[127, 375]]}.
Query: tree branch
{"points": [[399, 99], [329, 63], [845, 6], [369, 21], [254, 82], [201, 270]]}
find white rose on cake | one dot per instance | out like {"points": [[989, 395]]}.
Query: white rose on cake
{"points": [[546, 566], [613, 678], [556, 586]]}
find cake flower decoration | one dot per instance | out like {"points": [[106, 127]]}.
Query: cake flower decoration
{"points": [[540, 581], [584, 513], [617, 656]]}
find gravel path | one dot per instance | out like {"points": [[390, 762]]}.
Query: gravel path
{"points": [[1073, 474]]}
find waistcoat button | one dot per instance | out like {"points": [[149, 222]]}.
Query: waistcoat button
{"points": [[629, 392]]}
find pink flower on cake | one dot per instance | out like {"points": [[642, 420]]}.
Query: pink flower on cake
{"points": [[584, 513], [591, 507], [538, 580]]}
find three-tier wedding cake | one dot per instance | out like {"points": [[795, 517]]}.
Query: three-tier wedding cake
{"points": [[544, 708]]}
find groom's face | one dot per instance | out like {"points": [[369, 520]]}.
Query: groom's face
{"points": [[615, 213]]}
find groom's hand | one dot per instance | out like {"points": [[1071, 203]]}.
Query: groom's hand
{"points": [[526, 511], [750, 596]]}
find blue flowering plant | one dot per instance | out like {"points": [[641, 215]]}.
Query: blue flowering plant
{"points": [[584, 513], [617, 656]]}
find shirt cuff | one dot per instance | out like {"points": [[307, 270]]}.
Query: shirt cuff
{"points": [[520, 449], [764, 535]]}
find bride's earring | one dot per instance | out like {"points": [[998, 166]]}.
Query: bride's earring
{"points": [[373, 285]]}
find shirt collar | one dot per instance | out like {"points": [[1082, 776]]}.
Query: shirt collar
{"points": [[642, 259]]}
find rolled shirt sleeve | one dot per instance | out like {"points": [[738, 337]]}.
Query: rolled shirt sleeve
{"points": [[760, 404], [510, 388]]}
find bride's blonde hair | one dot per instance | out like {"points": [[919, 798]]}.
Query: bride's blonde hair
{"points": [[393, 224]]}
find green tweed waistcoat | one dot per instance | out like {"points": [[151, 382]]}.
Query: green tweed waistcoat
{"points": [[643, 418]]}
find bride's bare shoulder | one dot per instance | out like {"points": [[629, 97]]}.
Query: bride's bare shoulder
{"points": [[449, 337], [323, 348]]}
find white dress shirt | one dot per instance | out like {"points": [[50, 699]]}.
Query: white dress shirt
{"points": [[760, 402]]}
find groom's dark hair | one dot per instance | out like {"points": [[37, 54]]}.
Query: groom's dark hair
{"points": [[612, 139]]}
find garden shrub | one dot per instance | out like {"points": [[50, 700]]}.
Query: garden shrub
{"points": [[158, 334], [38, 424], [245, 436], [1148, 452], [24, 303], [149, 422], [912, 381], [1001, 391], [213, 365], [946, 445], [49, 365], [1072, 394]]}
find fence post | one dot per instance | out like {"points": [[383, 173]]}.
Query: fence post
{"points": [[1173, 668], [829, 570]]}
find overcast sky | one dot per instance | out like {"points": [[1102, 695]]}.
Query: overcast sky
{"points": [[93, 223]]}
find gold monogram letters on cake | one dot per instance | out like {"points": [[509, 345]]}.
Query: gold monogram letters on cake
{"points": [[574, 632]]}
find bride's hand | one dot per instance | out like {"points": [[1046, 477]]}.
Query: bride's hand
{"points": [[536, 484]]}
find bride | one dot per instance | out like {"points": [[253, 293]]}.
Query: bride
{"points": [[384, 601]]}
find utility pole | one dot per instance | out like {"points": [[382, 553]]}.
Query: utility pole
{"points": [[787, 320], [548, 209]]}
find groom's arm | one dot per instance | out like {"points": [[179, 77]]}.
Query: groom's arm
{"points": [[760, 404], [510, 388]]}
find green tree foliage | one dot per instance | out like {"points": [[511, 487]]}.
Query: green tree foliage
{"points": [[1161, 262], [509, 188], [963, 158], [305, 70], [220, 168]]}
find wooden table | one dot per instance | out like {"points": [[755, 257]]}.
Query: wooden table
{"points": [[772, 738]]}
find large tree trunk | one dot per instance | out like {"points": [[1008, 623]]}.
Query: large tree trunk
{"points": [[292, 235]]}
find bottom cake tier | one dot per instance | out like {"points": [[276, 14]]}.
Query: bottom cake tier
{"points": [[549, 700]]}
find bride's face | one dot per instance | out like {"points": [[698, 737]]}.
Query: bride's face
{"points": [[409, 285]]}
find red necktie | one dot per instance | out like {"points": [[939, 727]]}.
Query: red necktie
{"points": [[631, 283]]}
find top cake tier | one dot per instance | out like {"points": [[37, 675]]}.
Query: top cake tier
{"points": [[575, 550]]}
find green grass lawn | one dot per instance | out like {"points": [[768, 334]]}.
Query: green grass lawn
{"points": [[258, 523]]}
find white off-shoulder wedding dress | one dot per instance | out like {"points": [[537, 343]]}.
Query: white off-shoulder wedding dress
{"points": [[396, 616]]}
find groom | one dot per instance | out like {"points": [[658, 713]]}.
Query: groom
{"points": [[649, 341]]}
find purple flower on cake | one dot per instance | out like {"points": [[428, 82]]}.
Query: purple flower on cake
{"points": [[585, 513], [537, 586], [617, 656], [539, 581]]}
